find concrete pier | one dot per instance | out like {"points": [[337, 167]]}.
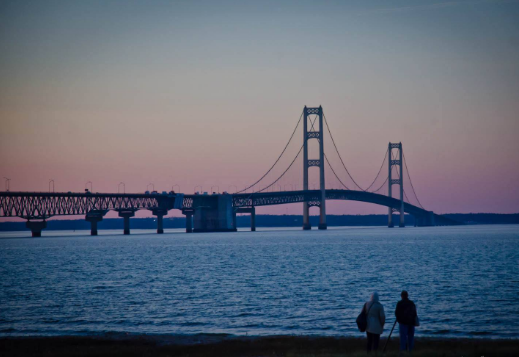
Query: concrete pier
{"points": [[213, 213], [306, 217], [93, 223], [126, 216], [390, 223], [426, 220], [189, 221], [253, 219], [94, 217], [432, 220], [160, 219], [36, 227], [252, 211], [322, 218]]}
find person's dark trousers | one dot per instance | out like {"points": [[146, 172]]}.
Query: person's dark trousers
{"points": [[406, 337], [373, 340]]}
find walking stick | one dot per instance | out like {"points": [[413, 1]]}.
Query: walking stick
{"points": [[388, 337]]}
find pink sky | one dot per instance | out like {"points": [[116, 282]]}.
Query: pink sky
{"points": [[174, 93]]}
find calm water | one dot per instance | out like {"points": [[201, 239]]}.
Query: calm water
{"points": [[464, 280]]}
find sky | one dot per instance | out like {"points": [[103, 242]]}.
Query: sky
{"points": [[207, 93]]}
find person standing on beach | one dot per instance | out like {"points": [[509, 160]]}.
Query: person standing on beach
{"points": [[407, 318], [376, 320]]}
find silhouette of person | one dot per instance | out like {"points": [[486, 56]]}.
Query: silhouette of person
{"points": [[407, 319]]}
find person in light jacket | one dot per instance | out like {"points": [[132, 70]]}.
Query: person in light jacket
{"points": [[376, 321]]}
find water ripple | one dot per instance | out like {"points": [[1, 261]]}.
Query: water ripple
{"points": [[286, 281]]}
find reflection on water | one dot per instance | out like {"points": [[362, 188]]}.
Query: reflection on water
{"points": [[464, 280]]}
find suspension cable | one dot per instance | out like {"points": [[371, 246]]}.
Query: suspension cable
{"points": [[411, 182], [284, 172], [379, 170], [279, 157], [381, 186], [337, 177], [342, 162], [405, 195], [337, 150]]}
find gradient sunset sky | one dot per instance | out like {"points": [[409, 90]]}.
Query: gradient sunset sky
{"points": [[208, 92]]}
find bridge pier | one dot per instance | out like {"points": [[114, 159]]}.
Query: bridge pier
{"points": [[189, 221], [160, 222], [126, 216], [322, 218], [390, 223], [93, 223], [390, 219], [426, 220], [306, 217], [36, 227], [252, 211], [213, 213], [432, 220], [253, 219]]}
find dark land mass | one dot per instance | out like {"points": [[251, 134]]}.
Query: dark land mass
{"points": [[265, 221], [224, 345]]}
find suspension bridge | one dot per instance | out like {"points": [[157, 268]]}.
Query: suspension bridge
{"points": [[217, 212]]}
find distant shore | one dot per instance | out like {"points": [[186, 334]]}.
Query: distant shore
{"points": [[226, 345], [263, 220]]}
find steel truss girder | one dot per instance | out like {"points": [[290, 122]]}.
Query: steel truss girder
{"points": [[187, 203], [33, 205]]}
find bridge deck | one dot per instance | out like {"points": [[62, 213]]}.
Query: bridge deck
{"points": [[42, 205]]}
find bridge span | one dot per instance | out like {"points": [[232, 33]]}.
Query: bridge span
{"points": [[424, 217], [216, 212]]}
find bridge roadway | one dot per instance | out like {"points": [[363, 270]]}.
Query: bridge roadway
{"points": [[42, 205], [313, 196]]}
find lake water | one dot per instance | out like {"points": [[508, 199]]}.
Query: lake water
{"points": [[464, 281]]}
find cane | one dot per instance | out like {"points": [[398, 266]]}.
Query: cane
{"points": [[388, 337]]}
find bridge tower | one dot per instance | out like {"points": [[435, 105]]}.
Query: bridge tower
{"points": [[399, 181], [314, 134]]}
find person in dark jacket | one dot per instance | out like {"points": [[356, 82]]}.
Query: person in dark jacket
{"points": [[406, 316]]}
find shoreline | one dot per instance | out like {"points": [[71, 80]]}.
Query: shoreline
{"points": [[230, 345]]}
